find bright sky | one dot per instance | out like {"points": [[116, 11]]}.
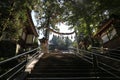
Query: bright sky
{"points": [[62, 27]]}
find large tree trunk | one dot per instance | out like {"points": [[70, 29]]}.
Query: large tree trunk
{"points": [[44, 45], [47, 35]]}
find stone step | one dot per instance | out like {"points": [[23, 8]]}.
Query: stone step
{"points": [[73, 78], [66, 64], [61, 74], [66, 67], [66, 74], [62, 70]]}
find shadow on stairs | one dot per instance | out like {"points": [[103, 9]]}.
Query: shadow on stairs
{"points": [[64, 67]]}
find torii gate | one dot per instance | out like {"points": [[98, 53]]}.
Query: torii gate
{"points": [[44, 41]]}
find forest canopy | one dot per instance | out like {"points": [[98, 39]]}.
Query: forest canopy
{"points": [[83, 15]]}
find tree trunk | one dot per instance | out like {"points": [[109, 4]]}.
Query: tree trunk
{"points": [[47, 34]]}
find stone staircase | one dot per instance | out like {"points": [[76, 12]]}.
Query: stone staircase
{"points": [[65, 67]]}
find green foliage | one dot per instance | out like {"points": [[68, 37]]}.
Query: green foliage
{"points": [[86, 15], [74, 44], [60, 43], [112, 6], [83, 15], [13, 17], [79, 13], [50, 12]]}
